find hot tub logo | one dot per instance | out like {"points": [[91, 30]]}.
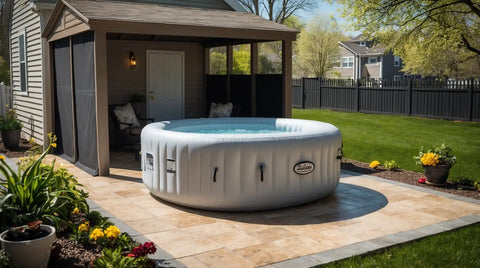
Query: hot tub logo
{"points": [[304, 167]]}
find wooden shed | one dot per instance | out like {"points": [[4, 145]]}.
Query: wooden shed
{"points": [[92, 42]]}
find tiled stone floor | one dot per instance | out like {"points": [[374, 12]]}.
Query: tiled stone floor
{"points": [[364, 211]]}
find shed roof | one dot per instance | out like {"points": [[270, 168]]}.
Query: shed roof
{"points": [[357, 49], [98, 13]]}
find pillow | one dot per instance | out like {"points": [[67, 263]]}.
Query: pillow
{"points": [[126, 116], [213, 106], [223, 110]]}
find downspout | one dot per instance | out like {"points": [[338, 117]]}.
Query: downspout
{"points": [[381, 67]]}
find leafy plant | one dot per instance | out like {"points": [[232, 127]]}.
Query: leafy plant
{"points": [[114, 259], [10, 121], [38, 192], [440, 155], [391, 165], [461, 180], [4, 258]]}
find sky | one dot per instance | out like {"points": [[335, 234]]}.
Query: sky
{"points": [[326, 9]]}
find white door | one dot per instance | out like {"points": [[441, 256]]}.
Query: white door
{"points": [[165, 84]]}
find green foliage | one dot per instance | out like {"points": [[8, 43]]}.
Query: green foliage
{"points": [[371, 136], [317, 46], [95, 218], [10, 121], [4, 258], [432, 37], [458, 248], [241, 59], [4, 72], [114, 259], [391, 165], [38, 192]]}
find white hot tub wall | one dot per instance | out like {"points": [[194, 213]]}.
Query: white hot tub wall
{"points": [[238, 184]]}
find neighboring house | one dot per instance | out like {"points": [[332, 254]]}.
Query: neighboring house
{"points": [[358, 60], [65, 81]]}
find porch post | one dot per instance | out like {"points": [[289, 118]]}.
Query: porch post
{"points": [[287, 77], [253, 76], [101, 102], [48, 112], [229, 69]]}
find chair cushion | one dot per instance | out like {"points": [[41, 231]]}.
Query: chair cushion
{"points": [[220, 110], [126, 116]]}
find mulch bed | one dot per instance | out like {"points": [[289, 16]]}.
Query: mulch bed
{"points": [[409, 177], [68, 253]]}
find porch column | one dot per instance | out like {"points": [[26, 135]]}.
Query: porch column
{"points": [[253, 76], [287, 77], [229, 69], [101, 102]]}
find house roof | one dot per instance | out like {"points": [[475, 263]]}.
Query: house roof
{"points": [[357, 49], [153, 16]]}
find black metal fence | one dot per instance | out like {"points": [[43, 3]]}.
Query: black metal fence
{"points": [[457, 100]]}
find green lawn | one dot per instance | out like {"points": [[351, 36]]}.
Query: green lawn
{"points": [[459, 248], [368, 137]]}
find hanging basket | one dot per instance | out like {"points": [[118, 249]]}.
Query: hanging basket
{"points": [[436, 175]]}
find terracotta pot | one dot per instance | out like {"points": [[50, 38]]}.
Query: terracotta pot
{"points": [[11, 138], [30, 253], [436, 175]]}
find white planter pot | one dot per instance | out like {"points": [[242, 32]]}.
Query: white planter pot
{"points": [[30, 253]]}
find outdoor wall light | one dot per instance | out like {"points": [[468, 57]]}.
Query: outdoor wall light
{"points": [[133, 61]]}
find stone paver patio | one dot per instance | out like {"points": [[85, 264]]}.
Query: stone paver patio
{"points": [[364, 214]]}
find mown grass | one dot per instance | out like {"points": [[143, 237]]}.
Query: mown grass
{"points": [[368, 137], [458, 248]]}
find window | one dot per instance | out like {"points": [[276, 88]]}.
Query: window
{"points": [[397, 77], [22, 51], [372, 60], [347, 62], [396, 61]]}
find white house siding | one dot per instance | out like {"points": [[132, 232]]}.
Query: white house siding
{"points": [[29, 104]]}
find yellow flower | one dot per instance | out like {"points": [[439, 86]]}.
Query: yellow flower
{"points": [[32, 140], [83, 227], [112, 232], [76, 210], [54, 145], [374, 164], [429, 159], [2, 157], [96, 234]]}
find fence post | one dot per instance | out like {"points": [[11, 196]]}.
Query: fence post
{"points": [[304, 93], [470, 100], [357, 94], [408, 101], [319, 93]]}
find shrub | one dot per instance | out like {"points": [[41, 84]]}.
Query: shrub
{"points": [[374, 164], [10, 121], [461, 180]]}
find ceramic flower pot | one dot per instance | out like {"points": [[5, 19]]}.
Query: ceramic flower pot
{"points": [[30, 253], [436, 175], [11, 138]]}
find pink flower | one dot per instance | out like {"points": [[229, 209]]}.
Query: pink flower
{"points": [[422, 180], [131, 255]]}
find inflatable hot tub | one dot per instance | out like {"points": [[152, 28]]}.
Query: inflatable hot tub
{"points": [[241, 163]]}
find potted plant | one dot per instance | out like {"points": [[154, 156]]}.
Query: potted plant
{"points": [[10, 127], [436, 163], [30, 245]]}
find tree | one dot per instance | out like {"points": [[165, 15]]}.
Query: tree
{"points": [[6, 9], [424, 28], [317, 46], [276, 10]]}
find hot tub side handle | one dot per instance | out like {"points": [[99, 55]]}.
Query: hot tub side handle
{"points": [[262, 168], [215, 174]]}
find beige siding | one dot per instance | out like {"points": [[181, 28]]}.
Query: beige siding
{"points": [[68, 20], [29, 105], [123, 81], [344, 72]]}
